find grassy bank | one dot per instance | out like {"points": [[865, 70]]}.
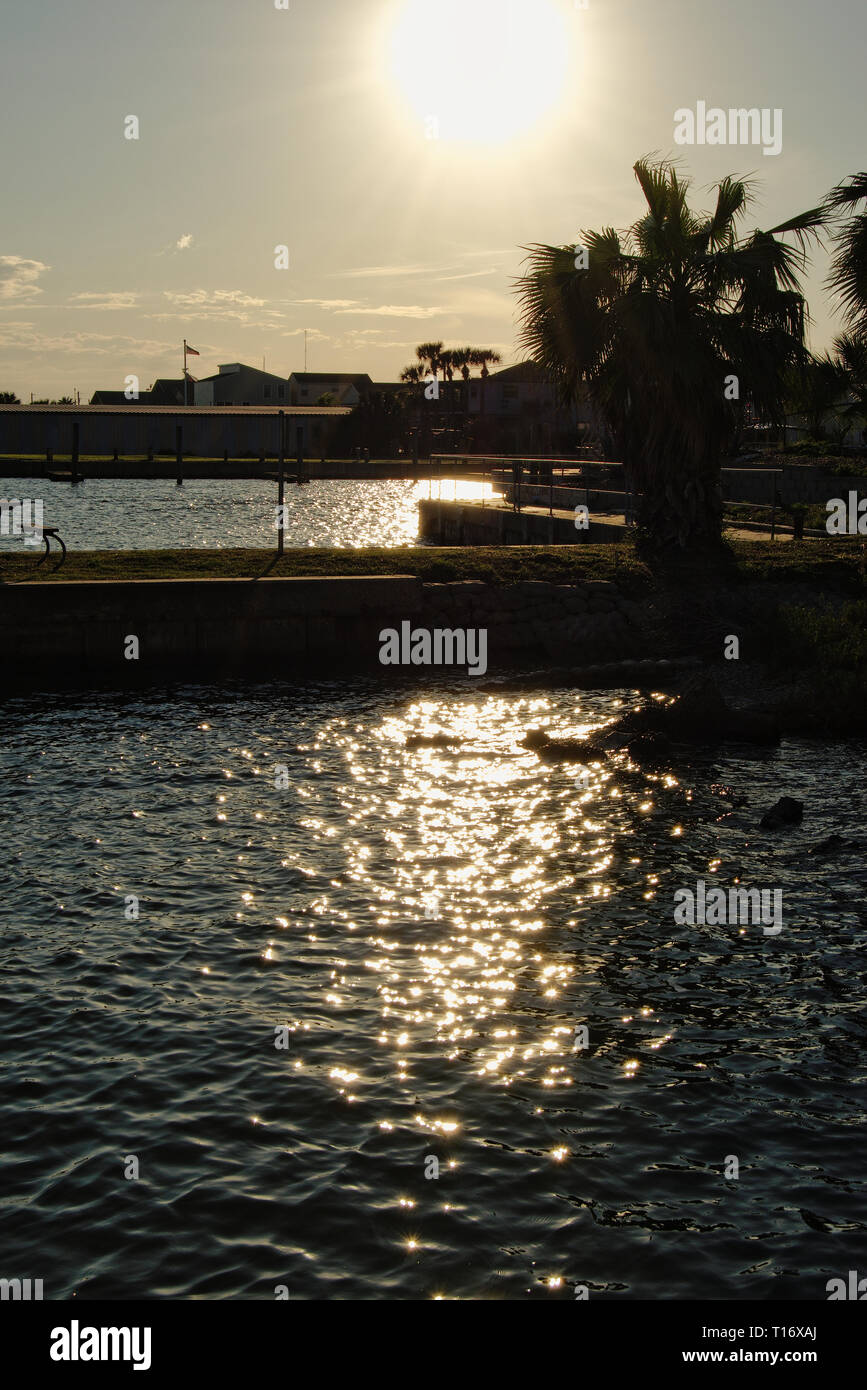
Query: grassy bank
{"points": [[837, 564], [494, 565]]}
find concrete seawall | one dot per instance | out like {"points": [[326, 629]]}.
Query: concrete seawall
{"points": [[469, 523], [79, 633], [70, 631]]}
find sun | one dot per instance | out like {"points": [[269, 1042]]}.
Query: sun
{"points": [[479, 70]]}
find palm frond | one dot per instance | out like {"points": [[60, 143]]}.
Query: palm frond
{"points": [[846, 194]]}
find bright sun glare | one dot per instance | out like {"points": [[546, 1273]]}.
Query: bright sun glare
{"points": [[479, 70]]}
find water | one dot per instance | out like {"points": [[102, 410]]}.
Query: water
{"points": [[148, 514], [419, 1027]]}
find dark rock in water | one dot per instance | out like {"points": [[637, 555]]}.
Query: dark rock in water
{"points": [[752, 726], [566, 750], [834, 844], [702, 714], [653, 748], [699, 711], [554, 750], [787, 811], [698, 715], [432, 740]]}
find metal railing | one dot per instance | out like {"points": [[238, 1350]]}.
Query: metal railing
{"points": [[487, 466]]}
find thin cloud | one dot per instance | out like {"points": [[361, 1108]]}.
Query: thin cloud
{"points": [[494, 251], [353, 341], [438, 270], [469, 274], [396, 311], [355, 306], [18, 277], [110, 299], [328, 303], [171, 248], [222, 305], [311, 333], [213, 299], [25, 337], [384, 270]]}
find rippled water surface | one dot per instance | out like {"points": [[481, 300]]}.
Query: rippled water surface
{"points": [[213, 513], [429, 926]]}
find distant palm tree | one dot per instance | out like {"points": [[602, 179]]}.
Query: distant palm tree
{"points": [[430, 356], [461, 359], [447, 365], [848, 275], [414, 376], [658, 326], [480, 357]]}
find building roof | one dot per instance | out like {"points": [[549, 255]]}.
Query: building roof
{"points": [[529, 372], [115, 397], [168, 391], [227, 370], [318, 378]]}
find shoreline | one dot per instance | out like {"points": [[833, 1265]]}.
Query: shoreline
{"points": [[589, 616]]}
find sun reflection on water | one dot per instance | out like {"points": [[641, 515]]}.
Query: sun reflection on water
{"points": [[475, 861]]}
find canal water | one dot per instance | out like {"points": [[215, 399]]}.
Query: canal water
{"points": [[215, 514], [291, 1001]]}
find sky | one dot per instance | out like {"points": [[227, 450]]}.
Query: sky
{"points": [[402, 151]]}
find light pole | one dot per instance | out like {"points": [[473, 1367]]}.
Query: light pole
{"points": [[280, 461]]}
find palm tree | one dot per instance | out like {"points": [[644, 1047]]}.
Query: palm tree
{"points": [[816, 387], [430, 357], [448, 364], [851, 350], [657, 326], [462, 360], [848, 275], [480, 357], [414, 376]]}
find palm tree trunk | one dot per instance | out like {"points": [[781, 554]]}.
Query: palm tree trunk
{"points": [[677, 505]]}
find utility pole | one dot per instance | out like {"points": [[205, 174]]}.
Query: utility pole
{"points": [[280, 489], [305, 349]]}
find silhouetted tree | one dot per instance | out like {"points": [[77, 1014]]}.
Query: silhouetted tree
{"points": [[655, 325]]}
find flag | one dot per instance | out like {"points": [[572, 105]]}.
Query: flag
{"points": [[194, 352]]}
